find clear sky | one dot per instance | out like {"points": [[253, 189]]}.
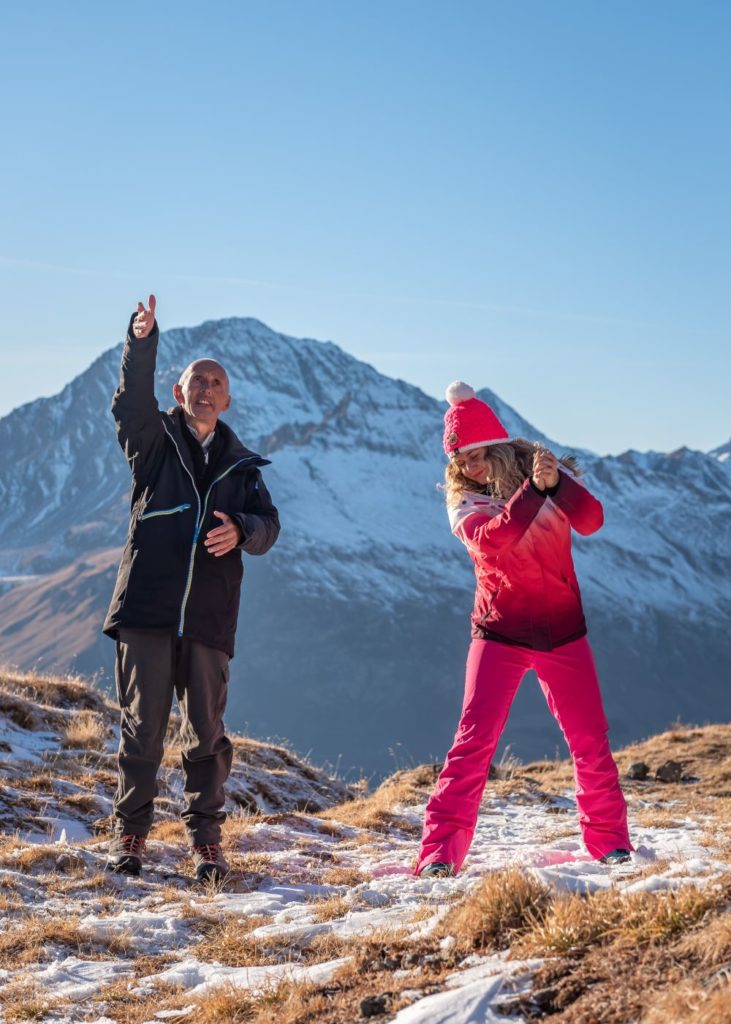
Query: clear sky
{"points": [[532, 196]]}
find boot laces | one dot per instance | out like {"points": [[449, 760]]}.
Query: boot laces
{"points": [[209, 852], [133, 845]]}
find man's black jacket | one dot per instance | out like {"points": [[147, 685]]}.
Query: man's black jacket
{"points": [[167, 580]]}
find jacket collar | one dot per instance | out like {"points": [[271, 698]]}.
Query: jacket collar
{"points": [[233, 450]]}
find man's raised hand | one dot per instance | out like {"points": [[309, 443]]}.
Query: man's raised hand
{"points": [[145, 320]]}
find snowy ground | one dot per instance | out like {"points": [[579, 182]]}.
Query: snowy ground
{"points": [[388, 898], [308, 889]]}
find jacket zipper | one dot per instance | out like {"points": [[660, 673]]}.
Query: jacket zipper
{"points": [[195, 533], [163, 512], [199, 523], [195, 541]]}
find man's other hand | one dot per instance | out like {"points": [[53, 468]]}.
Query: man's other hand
{"points": [[145, 319], [223, 538]]}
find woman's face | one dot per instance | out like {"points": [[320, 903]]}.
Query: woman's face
{"points": [[474, 465]]}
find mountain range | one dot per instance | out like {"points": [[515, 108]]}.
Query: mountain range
{"points": [[354, 628]]}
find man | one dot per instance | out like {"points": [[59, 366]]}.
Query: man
{"points": [[198, 501]]}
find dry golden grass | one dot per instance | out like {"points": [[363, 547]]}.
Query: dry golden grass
{"points": [[610, 958], [330, 828], [710, 945], [572, 924], [657, 917], [27, 942], [172, 757], [172, 831], [54, 690], [10, 884], [10, 904], [86, 802], [167, 893], [122, 1006], [370, 971], [228, 1005], [253, 863], [238, 829], [377, 811], [86, 731], [229, 942], [331, 946], [232, 942], [23, 714], [343, 876], [493, 914], [614, 982], [329, 909], [363, 842], [425, 912], [51, 857], [9, 842], [106, 779], [692, 1002], [704, 753], [153, 963], [26, 1001], [101, 882], [651, 817], [42, 782]]}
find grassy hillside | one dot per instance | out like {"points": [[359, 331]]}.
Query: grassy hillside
{"points": [[320, 919]]}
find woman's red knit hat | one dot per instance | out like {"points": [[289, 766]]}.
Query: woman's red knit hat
{"points": [[469, 422]]}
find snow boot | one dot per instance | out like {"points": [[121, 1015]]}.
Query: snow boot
{"points": [[125, 854], [209, 862], [437, 870], [616, 857]]}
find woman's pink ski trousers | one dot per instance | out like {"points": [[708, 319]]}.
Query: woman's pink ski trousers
{"points": [[569, 682]]}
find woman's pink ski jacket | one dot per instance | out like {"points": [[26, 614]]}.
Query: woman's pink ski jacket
{"points": [[527, 591]]}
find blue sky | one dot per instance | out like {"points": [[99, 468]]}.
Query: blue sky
{"points": [[531, 196]]}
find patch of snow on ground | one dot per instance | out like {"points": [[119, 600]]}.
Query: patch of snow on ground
{"points": [[471, 994], [513, 832], [73, 978], [200, 978]]}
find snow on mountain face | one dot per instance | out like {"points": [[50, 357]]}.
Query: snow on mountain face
{"points": [[723, 454], [372, 590], [356, 461], [355, 455]]}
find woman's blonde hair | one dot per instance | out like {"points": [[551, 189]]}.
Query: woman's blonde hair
{"points": [[509, 462]]}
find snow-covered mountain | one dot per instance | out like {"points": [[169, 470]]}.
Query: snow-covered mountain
{"points": [[356, 624]]}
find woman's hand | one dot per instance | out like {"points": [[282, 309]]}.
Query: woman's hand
{"points": [[545, 469]]}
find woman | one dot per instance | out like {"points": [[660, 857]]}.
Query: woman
{"points": [[513, 505]]}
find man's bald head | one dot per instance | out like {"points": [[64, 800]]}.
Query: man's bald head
{"points": [[204, 365], [203, 392]]}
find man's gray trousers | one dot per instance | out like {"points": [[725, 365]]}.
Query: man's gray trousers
{"points": [[150, 668]]}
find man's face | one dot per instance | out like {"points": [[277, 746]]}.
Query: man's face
{"points": [[203, 391]]}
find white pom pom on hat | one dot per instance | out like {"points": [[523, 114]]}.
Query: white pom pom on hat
{"points": [[458, 392]]}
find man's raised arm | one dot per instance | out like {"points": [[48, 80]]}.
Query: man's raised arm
{"points": [[134, 406]]}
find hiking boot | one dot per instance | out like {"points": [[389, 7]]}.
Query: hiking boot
{"points": [[209, 862], [125, 854], [437, 870], [616, 857]]}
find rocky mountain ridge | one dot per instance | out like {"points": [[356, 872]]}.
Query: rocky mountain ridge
{"points": [[356, 622]]}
